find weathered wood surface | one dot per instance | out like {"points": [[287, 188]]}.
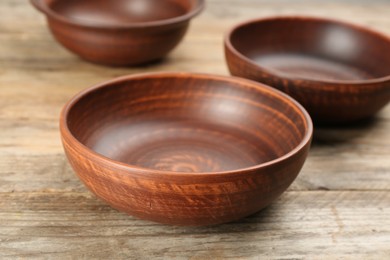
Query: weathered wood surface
{"points": [[339, 207]]}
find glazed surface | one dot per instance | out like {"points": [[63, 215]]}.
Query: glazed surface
{"points": [[314, 48], [311, 67], [180, 146], [186, 126], [117, 12]]}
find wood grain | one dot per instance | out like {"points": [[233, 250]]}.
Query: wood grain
{"points": [[45, 212], [315, 224]]}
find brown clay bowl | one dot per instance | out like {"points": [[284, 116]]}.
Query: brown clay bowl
{"points": [[119, 32], [338, 71], [185, 149]]}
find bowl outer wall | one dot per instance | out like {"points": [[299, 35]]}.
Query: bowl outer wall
{"points": [[180, 200], [118, 47]]}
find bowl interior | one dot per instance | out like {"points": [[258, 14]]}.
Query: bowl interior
{"points": [[119, 12], [187, 124], [314, 48]]}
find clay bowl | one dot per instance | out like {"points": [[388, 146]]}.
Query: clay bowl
{"points": [[119, 32], [185, 149], [338, 71]]}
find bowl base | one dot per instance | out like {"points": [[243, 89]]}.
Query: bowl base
{"points": [[180, 146], [311, 67]]}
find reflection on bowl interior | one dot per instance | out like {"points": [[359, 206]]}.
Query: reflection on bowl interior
{"points": [[317, 49], [186, 127], [117, 12]]}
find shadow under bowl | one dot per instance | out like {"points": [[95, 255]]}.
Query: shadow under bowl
{"points": [[185, 149], [338, 71], [119, 32]]}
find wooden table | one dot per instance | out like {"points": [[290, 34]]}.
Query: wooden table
{"points": [[339, 207]]}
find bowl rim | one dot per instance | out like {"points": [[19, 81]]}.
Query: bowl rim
{"points": [[44, 8], [92, 155], [307, 18]]}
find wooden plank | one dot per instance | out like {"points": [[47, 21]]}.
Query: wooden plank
{"points": [[332, 225], [37, 172], [29, 118], [338, 208]]}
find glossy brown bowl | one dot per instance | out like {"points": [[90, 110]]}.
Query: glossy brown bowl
{"points": [[338, 71], [185, 149], [119, 32]]}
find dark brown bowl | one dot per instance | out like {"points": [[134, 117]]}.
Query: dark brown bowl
{"points": [[119, 32], [338, 71], [185, 149]]}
